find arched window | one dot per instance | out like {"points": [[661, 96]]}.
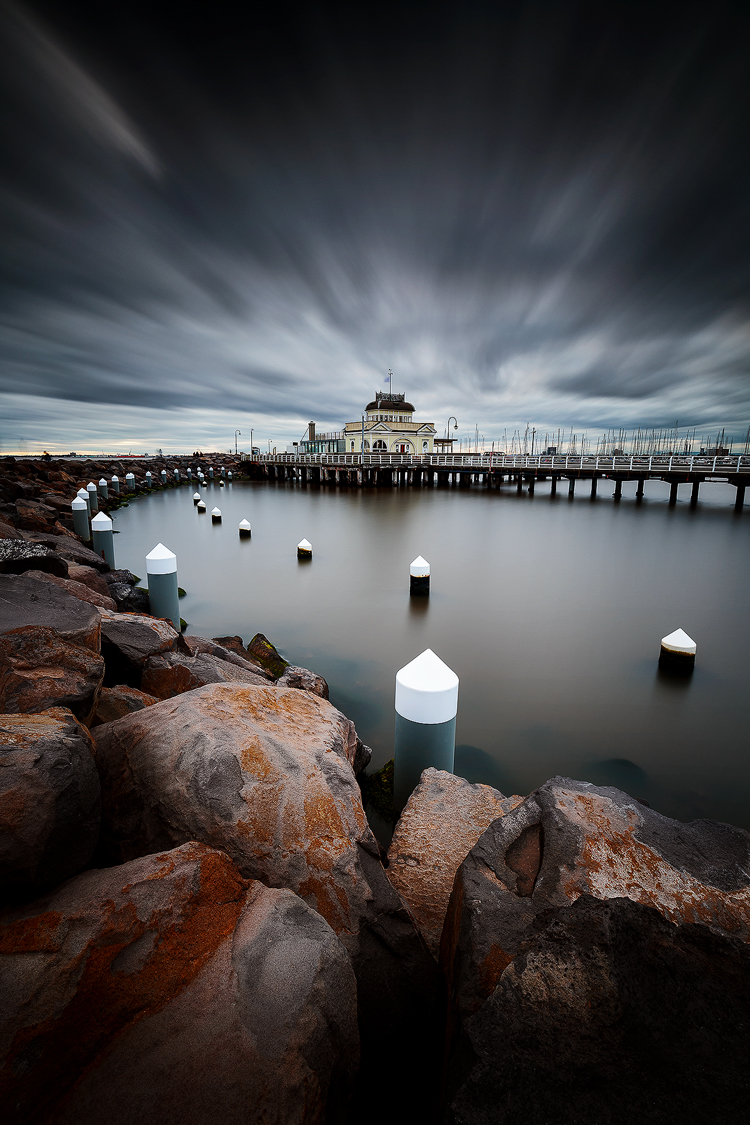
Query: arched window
{"points": [[425, 446], [367, 444], [380, 446], [352, 447]]}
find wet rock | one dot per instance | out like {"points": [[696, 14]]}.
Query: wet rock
{"points": [[75, 589], [17, 556], [129, 599], [174, 673], [8, 531], [261, 649], [49, 801], [170, 990], [234, 644], [609, 1013], [443, 819], [125, 576], [29, 601], [129, 639], [32, 516], [303, 680], [213, 648], [114, 702], [40, 669], [266, 774], [570, 838]]}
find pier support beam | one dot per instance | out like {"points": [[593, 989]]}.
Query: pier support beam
{"points": [[553, 487], [519, 483], [618, 489], [639, 489], [694, 493], [673, 493], [571, 487], [532, 482], [593, 488], [739, 499]]}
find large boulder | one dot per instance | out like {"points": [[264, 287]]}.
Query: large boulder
{"points": [[570, 838], [174, 673], [261, 650], [49, 800], [609, 1013], [303, 680], [40, 669], [75, 589], [70, 548], [129, 639], [170, 990], [129, 599], [267, 774], [89, 577], [115, 702], [29, 601], [17, 556], [442, 821], [231, 655]]}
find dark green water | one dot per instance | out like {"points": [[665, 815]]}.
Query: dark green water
{"points": [[550, 612]]}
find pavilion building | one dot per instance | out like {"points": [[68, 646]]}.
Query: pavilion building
{"points": [[389, 428]]}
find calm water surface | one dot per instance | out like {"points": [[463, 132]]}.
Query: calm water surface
{"points": [[550, 612]]}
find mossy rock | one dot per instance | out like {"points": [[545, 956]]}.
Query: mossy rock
{"points": [[261, 649], [377, 791], [183, 625], [181, 593]]}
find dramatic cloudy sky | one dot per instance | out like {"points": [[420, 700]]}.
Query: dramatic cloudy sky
{"points": [[233, 216]]}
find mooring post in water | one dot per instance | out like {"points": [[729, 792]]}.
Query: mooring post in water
{"points": [[739, 499], [618, 489], [304, 549], [81, 518], [426, 706], [229, 475], [163, 596], [694, 493], [245, 528], [93, 497], [115, 482], [189, 474], [201, 506], [149, 479], [130, 482], [216, 515], [223, 471], [104, 540], [211, 472], [677, 652], [103, 490], [419, 577], [177, 476], [163, 476], [196, 497], [82, 494]]}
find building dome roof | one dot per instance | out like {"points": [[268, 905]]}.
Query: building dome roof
{"points": [[390, 403]]}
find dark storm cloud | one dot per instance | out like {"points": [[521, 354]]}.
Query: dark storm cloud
{"points": [[524, 209]]}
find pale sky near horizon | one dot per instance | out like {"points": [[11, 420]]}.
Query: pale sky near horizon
{"points": [[533, 212]]}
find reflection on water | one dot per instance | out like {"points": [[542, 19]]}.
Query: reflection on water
{"points": [[551, 614]]}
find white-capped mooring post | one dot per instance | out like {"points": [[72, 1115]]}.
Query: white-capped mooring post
{"points": [[189, 473], [419, 577], [149, 481], [93, 497], [229, 475], [196, 497], [211, 472], [223, 471], [103, 536], [426, 706], [103, 489], [130, 482], [81, 518], [245, 528], [177, 476], [216, 515], [83, 494], [201, 505], [304, 549], [677, 652], [163, 476], [161, 568], [115, 482]]}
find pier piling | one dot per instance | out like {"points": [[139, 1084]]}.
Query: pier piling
{"points": [[304, 549], [103, 489], [81, 518], [93, 497], [161, 568], [115, 482], [677, 652], [426, 706], [103, 536], [419, 577]]}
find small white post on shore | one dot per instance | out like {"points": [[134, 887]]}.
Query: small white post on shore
{"points": [[216, 515], [190, 474], [103, 489], [304, 549], [419, 577], [164, 476], [426, 707], [211, 472], [201, 506], [148, 478], [93, 497], [115, 482], [104, 544], [677, 652], [82, 494], [196, 497], [245, 528], [229, 475], [130, 482], [223, 471], [81, 518], [161, 568], [177, 476]]}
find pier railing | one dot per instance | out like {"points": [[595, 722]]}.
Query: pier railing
{"points": [[676, 463]]}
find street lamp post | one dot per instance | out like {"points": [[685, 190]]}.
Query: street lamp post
{"points": [[236, 434], [448, 428]]}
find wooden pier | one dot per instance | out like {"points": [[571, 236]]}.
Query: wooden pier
{"points": [[490, 470]]}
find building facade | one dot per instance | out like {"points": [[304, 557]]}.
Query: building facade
{"points": [[389, 428]]}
